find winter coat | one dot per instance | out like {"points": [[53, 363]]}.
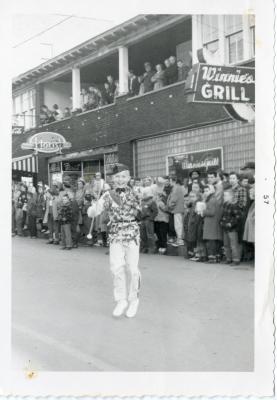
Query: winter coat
{"points": [[65, 215], [162, 215], [41, 204], [147, 82], [54, 202], [149, 210], [231, 217], [21, 201], [192, 222], [212, 215], [175, 200], [32, 208], [249, 228]]}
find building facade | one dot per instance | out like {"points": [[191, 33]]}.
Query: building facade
{"points": [[145, 131]]}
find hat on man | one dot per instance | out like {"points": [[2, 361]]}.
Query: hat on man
{"points": [[194, 170], [248, 165], [118, 167], [82, 181], [147, 193], [160, 180], [67, 181]]}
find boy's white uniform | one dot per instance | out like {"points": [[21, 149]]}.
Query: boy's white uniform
{"points": [[124, 237]]}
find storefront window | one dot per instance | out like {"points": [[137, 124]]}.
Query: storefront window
{"points": [[90, 168]]}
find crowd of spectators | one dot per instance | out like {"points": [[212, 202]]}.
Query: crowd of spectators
{"points": [[211, 216], [95, 96]]}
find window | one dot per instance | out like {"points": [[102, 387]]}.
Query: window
{"points": [[24, 109], [234, 38], [252, 34], [210, 33]]}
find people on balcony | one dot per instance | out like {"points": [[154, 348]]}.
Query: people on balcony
{"points": [[45, 115], [159, 77], [171, 72], [146, 78], [133, 84], [56, 112], [167, 73], [83, 98], [67, 112], [107, 95], [116, 92], [111, 83], [183, 70], [94, 98]]}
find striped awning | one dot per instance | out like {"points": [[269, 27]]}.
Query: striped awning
{"points": [[27, 163]]}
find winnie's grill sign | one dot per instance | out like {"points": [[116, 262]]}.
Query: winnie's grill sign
{"points": [[219, 84], [46, 142]]}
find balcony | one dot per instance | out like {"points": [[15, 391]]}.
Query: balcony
{"points": [[131, 118]]}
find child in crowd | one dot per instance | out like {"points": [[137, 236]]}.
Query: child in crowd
{"points": [[51, 215], [212, 232], [32, 215], [200, 251], [149, 212], [161, 223], [86, 220], [65, 217], [192, 223], [230, 222]]}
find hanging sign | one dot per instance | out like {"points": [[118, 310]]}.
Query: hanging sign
{"points": [[46, 142], [182, 164], [221, 84]]}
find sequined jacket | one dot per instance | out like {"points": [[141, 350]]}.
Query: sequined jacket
{"points": [[123, 209]]}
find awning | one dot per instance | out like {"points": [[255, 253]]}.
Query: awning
{"points": [[27, 163]]}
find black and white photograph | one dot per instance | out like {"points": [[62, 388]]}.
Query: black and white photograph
{"points": [[134, 143]]}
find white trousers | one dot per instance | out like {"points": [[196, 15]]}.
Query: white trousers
{"points": [[124, 260], [179, 225]]}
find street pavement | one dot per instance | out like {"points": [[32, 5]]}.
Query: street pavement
{"points": [[192, 316]]}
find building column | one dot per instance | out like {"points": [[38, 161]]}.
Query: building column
{"points": [[196, 37], [76, 88], [123, 69], [246, 37]]}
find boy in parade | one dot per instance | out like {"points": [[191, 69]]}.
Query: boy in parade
{"points": [[123, 206]]}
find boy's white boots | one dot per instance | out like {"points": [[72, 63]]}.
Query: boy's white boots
{"points": [[122, 305]]}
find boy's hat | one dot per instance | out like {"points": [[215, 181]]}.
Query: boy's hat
{"points": [[118, 167]]}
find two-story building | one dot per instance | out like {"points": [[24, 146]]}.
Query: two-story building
{"points": [[142, 130]]}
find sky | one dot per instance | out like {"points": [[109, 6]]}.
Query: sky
{"points": [[65, 28]]}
